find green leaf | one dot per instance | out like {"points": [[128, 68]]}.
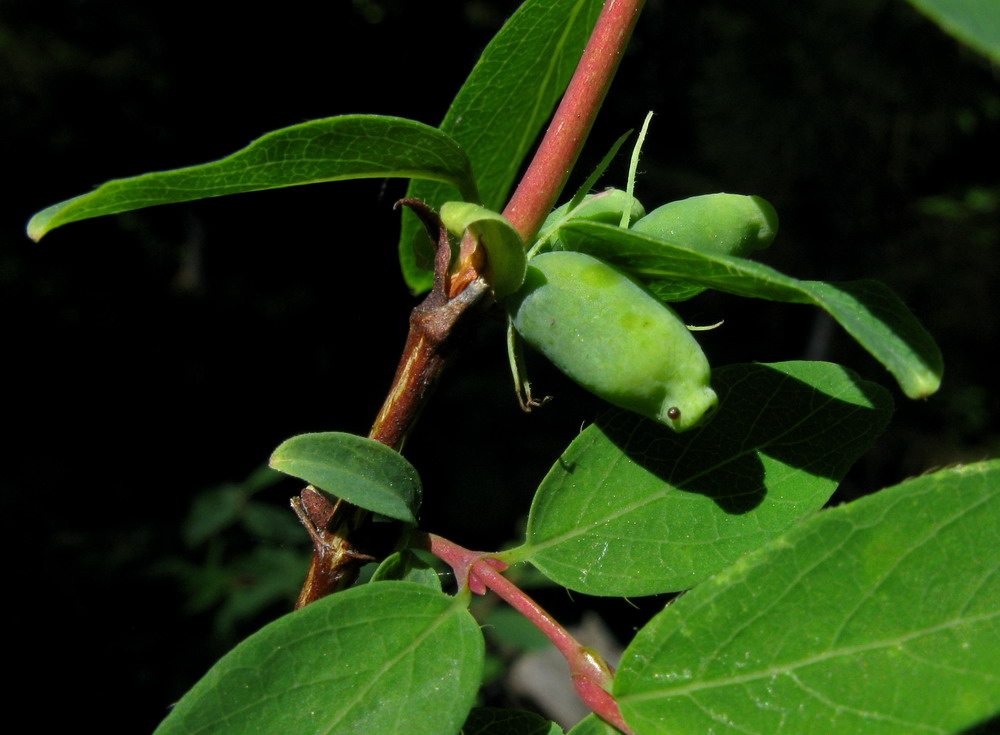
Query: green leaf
{"points": [[975, 23], [881, 616], [500, 109], [608, 206], [633, 508], [333, 149], [359, 470], [392, 657], [592, 725], [406, 565], [495, 721], [867, 310], [504, 247]]}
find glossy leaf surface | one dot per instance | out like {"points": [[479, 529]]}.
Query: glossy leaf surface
{"points": [[332, 149], [881, 616], [360, 470], [500, 110], [631, 508], [381, 658], [867, 310]]}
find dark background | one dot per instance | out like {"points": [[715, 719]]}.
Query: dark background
{"points": [[153, 357]]}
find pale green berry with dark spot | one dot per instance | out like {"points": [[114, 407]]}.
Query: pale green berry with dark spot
{"points": [[611, 336]]}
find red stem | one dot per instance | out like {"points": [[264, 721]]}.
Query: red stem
{"points": [[592, 677], [545, 178], [454, 296]]}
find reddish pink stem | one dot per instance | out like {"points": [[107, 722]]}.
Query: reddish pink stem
{"points": [[592, 677], [545, 178]]}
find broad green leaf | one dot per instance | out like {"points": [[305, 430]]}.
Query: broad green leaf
{"points": [[359, 470], [504, 247], [633, 508], [881, 616], [495, 721], [500, 110], [406, 565], [867, 310], [332, 149], [975, 23], [393, 657]]}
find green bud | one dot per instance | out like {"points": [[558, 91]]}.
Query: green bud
{"points": [[611, 336], [728, 224]]}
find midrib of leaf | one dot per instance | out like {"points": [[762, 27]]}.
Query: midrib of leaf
{"points": [[525, 551], [750, 621], [324, 633], [525, 139], [830, 653], [918, 545], [350, 704]]}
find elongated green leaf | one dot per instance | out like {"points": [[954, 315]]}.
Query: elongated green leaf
{"points": [[632, 508], [500, 109], [336, 148], [494, 721], [504, 247], [974, 22], [359, 470], [882, 616], [867, 310], [393, 657]]}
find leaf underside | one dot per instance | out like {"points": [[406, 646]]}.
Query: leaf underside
{"points": [[332, 149], [867, 310]]}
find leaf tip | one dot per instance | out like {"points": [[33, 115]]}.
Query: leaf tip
{"points": [[37, 227], [923, 385]]}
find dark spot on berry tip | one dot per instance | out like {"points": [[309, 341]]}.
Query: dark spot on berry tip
{"points": [[673, 413]]}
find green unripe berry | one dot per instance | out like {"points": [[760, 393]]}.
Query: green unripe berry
{"points": [[606, 207], [728, 224], [611, 336]]}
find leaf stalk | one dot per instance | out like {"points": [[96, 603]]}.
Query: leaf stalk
{"points": [[479, 571]]}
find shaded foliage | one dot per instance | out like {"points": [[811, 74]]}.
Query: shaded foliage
{"points": [[873, 130]]}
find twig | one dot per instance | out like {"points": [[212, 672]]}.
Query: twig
{"points": [[592, 677], [435, 321]]}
